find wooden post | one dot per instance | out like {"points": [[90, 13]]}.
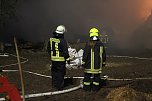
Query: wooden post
{"points": [[20, 69]]}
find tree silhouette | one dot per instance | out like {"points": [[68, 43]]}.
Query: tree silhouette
{"points": [[7, 12]]}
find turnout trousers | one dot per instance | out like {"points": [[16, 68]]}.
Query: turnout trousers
{"points": [[91, 83], [58, 72]]}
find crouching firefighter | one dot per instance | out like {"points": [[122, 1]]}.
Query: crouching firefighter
{"points": [[58, 50], [94, 58]]}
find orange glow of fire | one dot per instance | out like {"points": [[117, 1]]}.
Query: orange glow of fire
{"points": [[146, 10]]}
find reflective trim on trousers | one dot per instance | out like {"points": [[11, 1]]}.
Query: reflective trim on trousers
{"points": [[86, 83], [93, 72], [96, 83], [54, 58]]}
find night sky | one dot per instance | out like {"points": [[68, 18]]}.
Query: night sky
{"points": [[37, 19]]}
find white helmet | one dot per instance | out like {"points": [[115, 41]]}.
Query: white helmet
{"points": [[60, 29]]}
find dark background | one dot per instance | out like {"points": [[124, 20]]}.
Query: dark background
{"points": [[126, 22]]}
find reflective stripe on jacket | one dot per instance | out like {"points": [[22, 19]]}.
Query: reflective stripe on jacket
{"points": [[58, 49], [94, 58]]}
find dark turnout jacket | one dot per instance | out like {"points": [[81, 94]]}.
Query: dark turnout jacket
{"points": [[58, 48], [94, 58]]}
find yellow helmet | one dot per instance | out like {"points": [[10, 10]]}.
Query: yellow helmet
{"points": [[94, 32]]}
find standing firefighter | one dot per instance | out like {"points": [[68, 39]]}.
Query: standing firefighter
{"points": [[58, 50], [94, 58]]}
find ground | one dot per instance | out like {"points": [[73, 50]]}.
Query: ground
{"points": [[117, 67]]}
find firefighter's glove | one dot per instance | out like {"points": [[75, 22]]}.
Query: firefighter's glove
{"points": [[83, 63], [104, 64], [68, 61]]}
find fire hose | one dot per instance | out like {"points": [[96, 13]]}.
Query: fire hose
{"points": [[71, 89]]}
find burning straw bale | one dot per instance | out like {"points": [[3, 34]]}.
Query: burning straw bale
{"points": [[128, 94]]}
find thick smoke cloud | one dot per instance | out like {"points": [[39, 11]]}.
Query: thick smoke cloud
{"points": [[142, 35], [125, 17], [39, 18]]}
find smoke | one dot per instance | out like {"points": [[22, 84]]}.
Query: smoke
{"points": [[127, 17], [39, 18], [142, 35]]}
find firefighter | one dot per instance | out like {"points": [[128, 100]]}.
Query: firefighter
{"points": [[94, 58], [58, 50]]}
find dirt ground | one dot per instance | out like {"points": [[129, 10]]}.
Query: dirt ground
{"points": [[116, 68]]}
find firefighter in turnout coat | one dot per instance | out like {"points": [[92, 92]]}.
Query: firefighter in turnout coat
{"points": [[58, 50], [94, 58]]}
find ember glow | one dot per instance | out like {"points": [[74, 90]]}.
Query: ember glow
{"points": [[126, 16], [146, 9]]}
